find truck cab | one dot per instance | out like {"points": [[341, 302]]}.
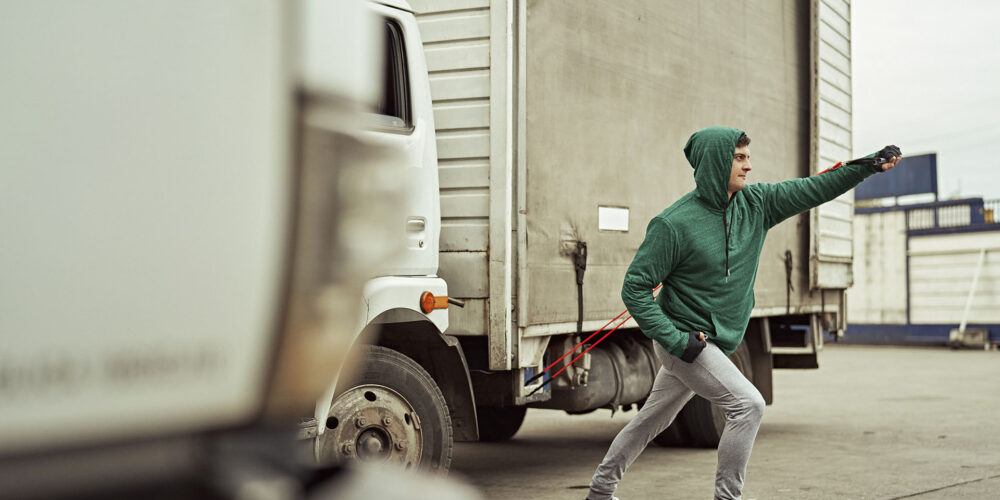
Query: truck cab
{"points": [[392, 409]]}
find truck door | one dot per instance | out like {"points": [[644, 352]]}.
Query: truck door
{"points": [[404, 121]]}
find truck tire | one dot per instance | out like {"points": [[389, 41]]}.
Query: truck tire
{"points": [[674, 436], [701, 420], [499, 423], [392, 412]]}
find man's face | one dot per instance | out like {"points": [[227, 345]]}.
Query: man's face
{"points": [[741, 167]]}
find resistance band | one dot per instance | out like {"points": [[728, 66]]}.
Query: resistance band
{"points": [[584, 341]]}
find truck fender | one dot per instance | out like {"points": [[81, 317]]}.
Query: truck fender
{"points": [[442, 356], [386, 299], [411, 333]]}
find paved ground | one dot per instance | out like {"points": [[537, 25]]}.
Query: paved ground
{"points": [[872, 422]]}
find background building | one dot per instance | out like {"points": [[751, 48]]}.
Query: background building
{"points": [[922, 270]]}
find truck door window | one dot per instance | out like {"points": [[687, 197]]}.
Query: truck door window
{"points": [[393, 110]]}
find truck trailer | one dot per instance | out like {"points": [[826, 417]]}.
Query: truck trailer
{"points": [[544, 135]]}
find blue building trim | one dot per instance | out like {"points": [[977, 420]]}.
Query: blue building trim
{"points": [[953, 230], [977, 202], [936, 335]]}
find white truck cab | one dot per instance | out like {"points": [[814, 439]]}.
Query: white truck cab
{"points": [[375, 415]]}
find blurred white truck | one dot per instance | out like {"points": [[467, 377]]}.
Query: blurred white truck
{"points": [[188, 212], [541, 136]]}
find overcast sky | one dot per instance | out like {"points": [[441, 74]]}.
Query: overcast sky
{"points": [[927, 78]]}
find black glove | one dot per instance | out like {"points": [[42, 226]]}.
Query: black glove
{"points": [[874, 161], [888, 153], [694, 347]]}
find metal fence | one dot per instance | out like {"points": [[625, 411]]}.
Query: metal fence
{"points": [[971, 213], [991, 212]]}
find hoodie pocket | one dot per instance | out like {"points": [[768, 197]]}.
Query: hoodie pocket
{"points": [[717, 326]]}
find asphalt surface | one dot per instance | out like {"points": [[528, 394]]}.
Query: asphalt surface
{"points": [[873, 422]]}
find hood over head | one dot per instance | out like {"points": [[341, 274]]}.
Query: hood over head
{"points": [[710, 152]]}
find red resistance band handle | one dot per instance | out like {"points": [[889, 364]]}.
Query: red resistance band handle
{"points": [[835, 167]]}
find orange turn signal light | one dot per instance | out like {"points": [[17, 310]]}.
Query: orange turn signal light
{"points": [[428, 302]]}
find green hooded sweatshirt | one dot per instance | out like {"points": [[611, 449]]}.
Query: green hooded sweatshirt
{"points": [[705, 248]]}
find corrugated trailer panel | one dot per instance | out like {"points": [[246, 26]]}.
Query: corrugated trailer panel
{"points": [[831, 233], [941, 274], [456, 36], [613, 91]]}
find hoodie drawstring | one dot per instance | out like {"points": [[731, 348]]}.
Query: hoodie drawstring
{"points": [[728, 230]]}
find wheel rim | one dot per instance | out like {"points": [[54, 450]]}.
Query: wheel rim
{"points": [[371, 423]]}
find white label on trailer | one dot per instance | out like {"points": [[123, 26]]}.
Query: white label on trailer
{"points": [[612, 218]]}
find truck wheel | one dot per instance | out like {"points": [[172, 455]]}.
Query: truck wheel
{"points": [[499, 423], [394, 412], [701, 419], [674, 436]]}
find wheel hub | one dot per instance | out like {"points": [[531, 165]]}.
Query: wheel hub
{"points": [[372, 443], [371, 423]]}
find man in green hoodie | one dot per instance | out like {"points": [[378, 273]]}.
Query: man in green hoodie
{"points": [[704, 250]]}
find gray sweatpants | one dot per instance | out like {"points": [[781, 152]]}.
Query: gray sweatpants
{"points": [[711, 376]]}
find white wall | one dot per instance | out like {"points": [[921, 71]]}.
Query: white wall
{"points": [[879, 292], [941, 273]]}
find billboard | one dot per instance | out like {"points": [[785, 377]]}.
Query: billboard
{"points": [[913, 175]]}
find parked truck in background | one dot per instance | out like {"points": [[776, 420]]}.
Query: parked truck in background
{"points": [[542, 137]]}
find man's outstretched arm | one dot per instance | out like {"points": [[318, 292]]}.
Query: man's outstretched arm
{"points": [[785, 199], [653, 262]]}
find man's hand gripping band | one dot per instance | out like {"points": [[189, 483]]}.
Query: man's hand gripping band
{"points": [[695, 345], [877, 161]]}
